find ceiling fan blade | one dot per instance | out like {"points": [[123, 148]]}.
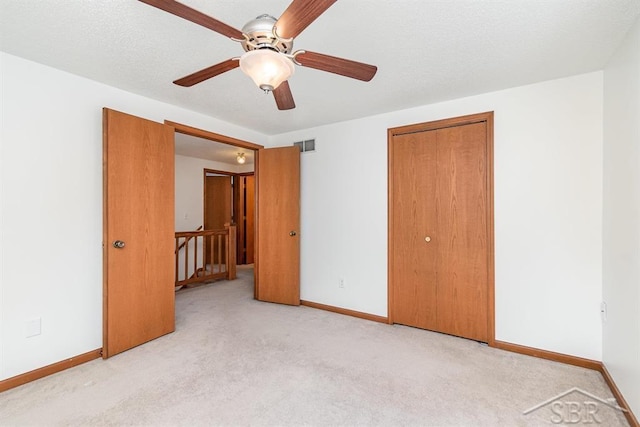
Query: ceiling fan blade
{"points": [[344, 67], [299, 15], [283, 96], [196, 17], [207, 73]]}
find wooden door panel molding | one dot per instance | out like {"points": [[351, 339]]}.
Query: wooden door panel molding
{"points": [[446, 123], [278, 225], [212, 136], [462, 240], [138, 295]]}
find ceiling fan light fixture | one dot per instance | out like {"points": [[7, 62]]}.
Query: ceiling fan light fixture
{"points": [[267, 68], [241, 159]]}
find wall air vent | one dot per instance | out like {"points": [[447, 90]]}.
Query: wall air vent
{"points": [[306, 146]]}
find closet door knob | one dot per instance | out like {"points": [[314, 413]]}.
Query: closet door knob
{"points": [[427, 239]]}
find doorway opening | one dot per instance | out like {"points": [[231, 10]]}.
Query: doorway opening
{"points": [[276, 272], [214, 193]]}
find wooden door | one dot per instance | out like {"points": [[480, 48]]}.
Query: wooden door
{"points": [[462, 233], [138, 295], [238, 216], [249, 222], [413, 185], [244, 216], [217, 209], [440, 224], [278, 225]]}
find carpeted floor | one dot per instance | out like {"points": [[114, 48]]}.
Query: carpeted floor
{"points": [[236, 361]]}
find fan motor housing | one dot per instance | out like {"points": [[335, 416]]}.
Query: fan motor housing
{"points": [[260, 34]]}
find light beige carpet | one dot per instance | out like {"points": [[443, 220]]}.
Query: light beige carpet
{"points": [[236, 361]]}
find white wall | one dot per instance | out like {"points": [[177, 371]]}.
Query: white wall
{"points": [[51, 231], [548, 211], [246, 168], [621, 266]]}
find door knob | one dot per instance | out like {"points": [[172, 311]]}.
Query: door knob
{"points": [[118, 244], [292, 233], [427, 239]]}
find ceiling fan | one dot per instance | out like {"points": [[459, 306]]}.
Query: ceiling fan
{"points": [[268, 44]]}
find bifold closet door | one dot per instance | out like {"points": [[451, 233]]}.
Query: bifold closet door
{"points": [[415, 219], [439, 229], [461, 237]]}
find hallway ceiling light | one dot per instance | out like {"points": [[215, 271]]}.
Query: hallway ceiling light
{"points": [[241, 159]]}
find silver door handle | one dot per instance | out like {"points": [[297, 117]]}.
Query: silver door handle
{"points": [[118, 244], [292, 233]]}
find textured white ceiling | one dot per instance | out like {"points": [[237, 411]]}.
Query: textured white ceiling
{"points": [[191, 146], [426, 50]]}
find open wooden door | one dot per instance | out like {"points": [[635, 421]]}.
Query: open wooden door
{"points": [[277, 261], [244, 205], [138, 239], [250, 219], [217, 210]]}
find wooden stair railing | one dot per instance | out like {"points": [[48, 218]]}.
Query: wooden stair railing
{"points": [[195, 264], [182, 245]]}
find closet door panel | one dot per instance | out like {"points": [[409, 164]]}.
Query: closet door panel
{"points": [[461, 197], [414, 222]]}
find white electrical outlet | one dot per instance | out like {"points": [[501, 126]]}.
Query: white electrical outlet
{"points": [[341, 283], [603, 311], [33, 327]]}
